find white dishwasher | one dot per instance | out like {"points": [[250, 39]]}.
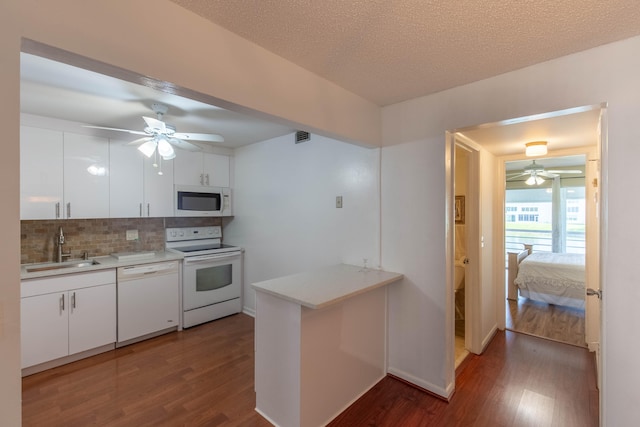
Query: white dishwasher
{"points": [[148, 300]]}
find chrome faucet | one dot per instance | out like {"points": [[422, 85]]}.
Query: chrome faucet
{"points": [[60, 241]]}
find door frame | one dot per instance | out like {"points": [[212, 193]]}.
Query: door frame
{"points": [[498, 232], [472, 299], [588, 152]]}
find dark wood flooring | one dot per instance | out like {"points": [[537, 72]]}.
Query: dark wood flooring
{"points": [[204, 377], [520, 380]]}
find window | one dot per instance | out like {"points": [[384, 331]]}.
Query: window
{"points": [[529, 218]]}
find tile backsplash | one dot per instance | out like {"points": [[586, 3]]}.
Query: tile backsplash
{"points": [[97, 236]]}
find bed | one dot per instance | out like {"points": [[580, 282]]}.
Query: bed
{"points": [[554, 278]]}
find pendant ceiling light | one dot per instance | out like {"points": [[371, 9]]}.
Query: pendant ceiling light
{"points": [[535, 148]]}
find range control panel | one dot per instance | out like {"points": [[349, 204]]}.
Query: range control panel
{"points": [[194, 233]]}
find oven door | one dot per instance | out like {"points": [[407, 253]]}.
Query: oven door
{"points": [[210, 279]]}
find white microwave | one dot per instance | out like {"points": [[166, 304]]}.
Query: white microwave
{"points": [[202, 201]]}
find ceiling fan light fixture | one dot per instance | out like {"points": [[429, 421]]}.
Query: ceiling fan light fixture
{"points": [[148, 148], [534, 180], [165, 149], [535, 148]]}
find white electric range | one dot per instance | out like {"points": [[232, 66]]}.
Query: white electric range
{"points": [[211, 274]]}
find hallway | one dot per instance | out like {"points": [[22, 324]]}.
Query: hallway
{"points": [[520, 380]]}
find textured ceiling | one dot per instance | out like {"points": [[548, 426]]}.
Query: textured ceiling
{"points": [[393, 50]]}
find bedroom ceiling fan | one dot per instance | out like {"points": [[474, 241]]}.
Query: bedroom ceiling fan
{"points": [[163, 136], [537, 173]]}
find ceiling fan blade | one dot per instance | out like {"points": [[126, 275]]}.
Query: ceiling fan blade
{"points": [[518, 175], [207, 137], [140, 140], [184, 144], [564, 171], [134, 132], [546, 174], [156, 125]]}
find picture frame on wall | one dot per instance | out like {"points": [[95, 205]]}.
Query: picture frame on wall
{"points": [[459, 209]]}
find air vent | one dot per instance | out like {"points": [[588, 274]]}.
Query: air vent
{"points": [[302, 136]]}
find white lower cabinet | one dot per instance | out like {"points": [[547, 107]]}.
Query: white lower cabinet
{"points": [[44, 325], [65, 315]]}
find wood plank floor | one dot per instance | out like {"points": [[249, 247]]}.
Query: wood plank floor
{"points": [[555, 322], [204, 377], [520, 380], [199, 377]]}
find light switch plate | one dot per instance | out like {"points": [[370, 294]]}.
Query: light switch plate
{"points": [[132, 234], [338, 201]]}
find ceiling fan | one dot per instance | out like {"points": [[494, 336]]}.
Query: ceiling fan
{"points": [[537, 173], [163, 136]]}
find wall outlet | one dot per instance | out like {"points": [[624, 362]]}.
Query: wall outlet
{"points": [[132, 234], [338, 201]]}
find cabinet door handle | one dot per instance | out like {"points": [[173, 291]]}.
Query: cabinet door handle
{"points": [[73, 300], [148, 209], [207, 176], [69, 210], [58, 210], [61, 303], [140, 209], [201, 179]]}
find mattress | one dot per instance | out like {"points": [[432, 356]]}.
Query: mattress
{"points": [[553, 278]]}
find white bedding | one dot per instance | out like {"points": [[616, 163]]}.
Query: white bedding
{"points": [[553, 278]]}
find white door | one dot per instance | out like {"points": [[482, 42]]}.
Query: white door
{"points": [[41, 173], [86, 176], [44, 328], [216, 170], [158, 189], [593, 306], [92, 317], [125, 180]]}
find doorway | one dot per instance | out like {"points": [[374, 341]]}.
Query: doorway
{"points": [[460, 260], [497, 143], [545, 215]]}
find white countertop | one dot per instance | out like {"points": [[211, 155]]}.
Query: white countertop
{"points": [[105, 262], [329, 285]]}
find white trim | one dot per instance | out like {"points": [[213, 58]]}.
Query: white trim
{"points": [[249, 311], [439, 391]]}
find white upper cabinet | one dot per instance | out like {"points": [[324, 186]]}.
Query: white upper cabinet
{"points": [[216, 170], [136, 188], [86, 176], [158, 189], [70, 175], [125, 181], [41, 173], [197, 168]]}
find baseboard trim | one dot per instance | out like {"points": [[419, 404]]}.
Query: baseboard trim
{"points": [[249, 311], [489, 337], [427, 387], [67, 359]]}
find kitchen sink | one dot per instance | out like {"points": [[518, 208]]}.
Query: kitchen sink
{"points": [[61, 265]]}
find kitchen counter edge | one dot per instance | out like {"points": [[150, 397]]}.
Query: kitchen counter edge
{"points": [[326, 286], [105, 262]]}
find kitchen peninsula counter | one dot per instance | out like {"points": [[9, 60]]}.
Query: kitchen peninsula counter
{"points": [[326, 286], [320, 342]]}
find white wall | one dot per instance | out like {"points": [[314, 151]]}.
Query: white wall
{"points": [[285, 213], [413, 172]]}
